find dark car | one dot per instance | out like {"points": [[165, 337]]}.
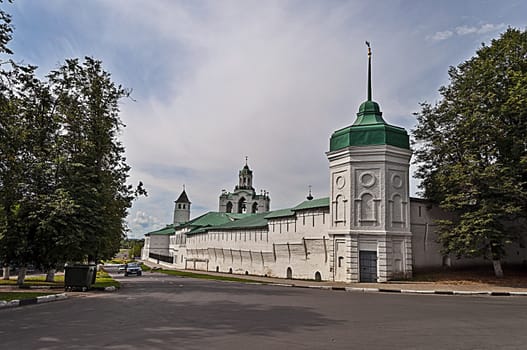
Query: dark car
{"points": [[133, 269]]}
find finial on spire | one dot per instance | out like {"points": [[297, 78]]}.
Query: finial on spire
{"points": [[369, 70], [246, 159], [183, 187], [309, 196]]}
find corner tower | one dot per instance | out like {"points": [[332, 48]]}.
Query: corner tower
{"points": [[182, 209], [369, 197]]}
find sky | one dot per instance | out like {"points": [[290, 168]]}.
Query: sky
{"points": [[215, 81]]}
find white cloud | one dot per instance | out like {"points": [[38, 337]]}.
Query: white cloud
{"points": [[140, 222], [482, 29], [442, 35], [467, 30]]}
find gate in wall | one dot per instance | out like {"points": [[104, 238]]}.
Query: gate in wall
{"points": [[368, 266]]}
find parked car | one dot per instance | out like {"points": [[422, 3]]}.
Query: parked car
{"points": [[133, 269]]}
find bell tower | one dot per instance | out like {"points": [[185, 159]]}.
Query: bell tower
{"points": [[244, 199], [369, 197]]}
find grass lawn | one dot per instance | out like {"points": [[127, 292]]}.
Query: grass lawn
{"points": [[207, 277], [35, 281], [8, 296], [103, 280]]}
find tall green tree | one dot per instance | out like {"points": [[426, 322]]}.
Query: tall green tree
{"points": [[63, 190], [93, 169], [471, 150]]}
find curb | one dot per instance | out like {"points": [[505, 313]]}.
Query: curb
{"points": [[404, 291], [32, 301]]}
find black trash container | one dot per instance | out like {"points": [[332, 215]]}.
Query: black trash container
{"points": [[78, 276]]}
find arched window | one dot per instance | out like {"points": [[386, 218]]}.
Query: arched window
{"points": [[255, 208], [367, 212], [229, 207], [289, 273], [242, 205], [339, 208], [397, 214]]}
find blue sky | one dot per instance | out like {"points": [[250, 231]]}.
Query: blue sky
{"points": [[215, 81]]}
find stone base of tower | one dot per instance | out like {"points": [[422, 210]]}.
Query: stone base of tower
{"points": [[371, 256]]}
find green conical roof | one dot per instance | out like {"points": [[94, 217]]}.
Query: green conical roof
{"points": [[369, 128]]}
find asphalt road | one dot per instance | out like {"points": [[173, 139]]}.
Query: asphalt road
{"points": [[165, 312]]}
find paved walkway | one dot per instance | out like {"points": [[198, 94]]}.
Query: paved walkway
{"points": [[458, 288]]}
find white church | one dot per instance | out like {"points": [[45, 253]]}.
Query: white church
{"points": [[368, 229]]}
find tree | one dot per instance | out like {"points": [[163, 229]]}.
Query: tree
{"points": [[93, 168], [472, 150], [63, 190]]}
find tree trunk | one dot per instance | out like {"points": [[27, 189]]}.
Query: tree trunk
{"points": [[21, 275], [498, 272], [50, 275], [5, 270]]}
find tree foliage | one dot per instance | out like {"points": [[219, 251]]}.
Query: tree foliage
{"points": [[63, 190], [472, 148]]}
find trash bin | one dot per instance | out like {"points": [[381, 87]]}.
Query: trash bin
{"points": [[78, 276]]}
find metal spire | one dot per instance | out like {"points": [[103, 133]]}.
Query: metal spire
{"points": [[369, 70]]}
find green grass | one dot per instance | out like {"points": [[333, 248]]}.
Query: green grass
{"points": [[8, 296], [35, 281], [145, 267], [207, 277], [105, 280]]}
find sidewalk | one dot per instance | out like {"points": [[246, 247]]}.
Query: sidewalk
{"points": [[412, 287]]}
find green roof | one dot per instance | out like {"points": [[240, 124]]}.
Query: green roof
{"points": [[252, 221], [212, 219], [311, 204], [280, 213], [168, 230]]}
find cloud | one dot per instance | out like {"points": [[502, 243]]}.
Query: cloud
{"points": [[140, 223], [466, 30], [442, 35], [483, 29]]}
